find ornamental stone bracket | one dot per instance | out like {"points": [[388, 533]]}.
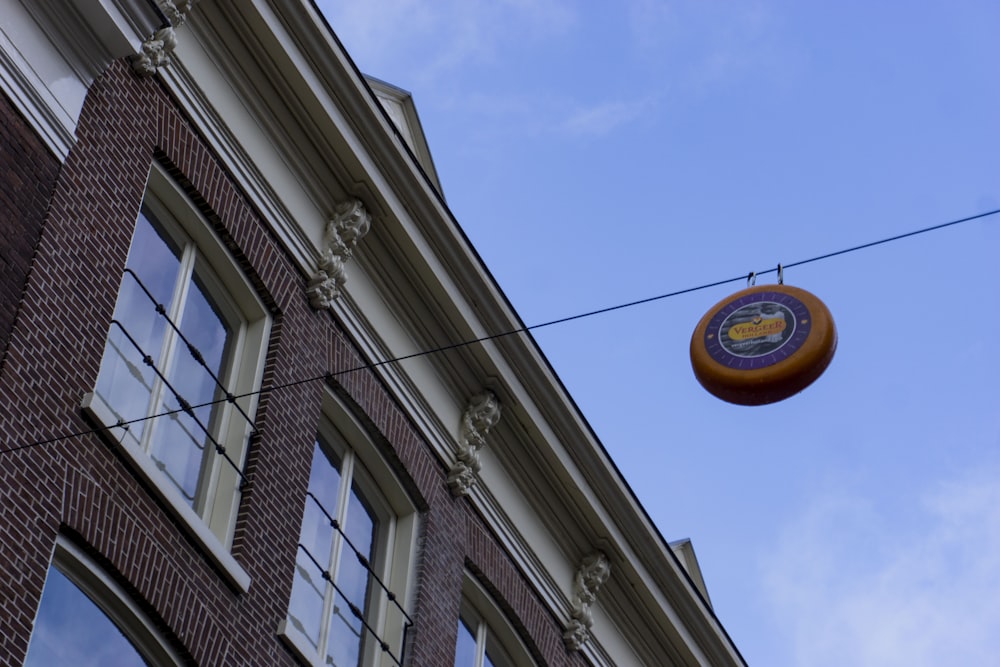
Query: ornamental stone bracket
{"points": [[349, 224], [594, 570], [157, 48], [480, 416]]}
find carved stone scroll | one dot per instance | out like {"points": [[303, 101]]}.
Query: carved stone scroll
{"points": [[594, 570], [480, 416], [349, 224]]}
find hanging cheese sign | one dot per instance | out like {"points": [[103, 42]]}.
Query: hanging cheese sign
{"points": [[763, 344]]}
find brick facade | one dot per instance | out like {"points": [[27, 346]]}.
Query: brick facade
{"points": [[27, 175], [79, 487]]}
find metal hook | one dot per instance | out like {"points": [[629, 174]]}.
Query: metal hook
{"points": [[781, 275], [751, 279]]}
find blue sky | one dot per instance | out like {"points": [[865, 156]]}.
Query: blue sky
{"points": [[598, 153]]}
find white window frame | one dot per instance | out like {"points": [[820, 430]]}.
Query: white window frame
{"points": [[111, 599], [395, 542], [490, 627], [213, 524]]}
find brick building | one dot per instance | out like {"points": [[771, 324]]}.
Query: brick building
{"points": [[215, 230]]}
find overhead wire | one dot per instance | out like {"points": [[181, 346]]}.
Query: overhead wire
{"points": [[511, 332]]}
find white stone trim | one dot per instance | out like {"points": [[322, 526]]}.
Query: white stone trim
{"points": [[157, 49], [52, 50], [155, 52]]}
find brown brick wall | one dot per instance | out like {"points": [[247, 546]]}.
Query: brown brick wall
{"points": [[79, 487], [27, 175], [499, 575]]}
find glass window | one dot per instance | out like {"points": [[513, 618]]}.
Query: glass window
{"points": [[85, 620], [322, 608], [148, 364], [71, 630], [485, 638], [347, 605], [188, 332], [477, 645]]}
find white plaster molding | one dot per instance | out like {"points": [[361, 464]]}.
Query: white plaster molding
{"points": [[480, 416], [593, 572], [157, 48], [350, 222]]}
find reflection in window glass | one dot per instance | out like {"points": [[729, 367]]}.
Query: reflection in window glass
{"points": [[319, 609], [71, 630], [477, 644], [172, 271], [465, 651], [125, 383]]}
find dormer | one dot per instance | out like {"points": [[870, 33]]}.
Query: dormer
{"points": [[399, 106]]}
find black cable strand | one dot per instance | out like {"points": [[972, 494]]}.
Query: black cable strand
{"points": [[445, 348], [898, 237]]}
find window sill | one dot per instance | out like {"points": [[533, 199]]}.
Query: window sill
{"points": [[101, 415], [297, 642]]}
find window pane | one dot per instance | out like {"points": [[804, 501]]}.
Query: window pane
{"points": [[206, 328], [305, 611], [359, 527], [308, 588], [465, 651], [71, 630], [495, 655], [125, 382], [343, 646], [324, 478], [178, 443], [177, 447], [346, 630]]}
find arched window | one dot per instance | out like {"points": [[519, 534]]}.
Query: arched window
{"points": [[485, 638], [352, 567], [188, 330], [85, 620]]}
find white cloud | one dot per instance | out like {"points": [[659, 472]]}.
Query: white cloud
{"points": [[851, 586], [603, 118], [651, 22], [706, 45], [436, 38], [434, 41]]}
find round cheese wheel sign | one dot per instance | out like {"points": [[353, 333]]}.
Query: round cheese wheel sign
{"points": [[763, 344]]}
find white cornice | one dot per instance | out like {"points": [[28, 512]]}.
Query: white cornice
{"points": [[34, 100], [52, 50], [310, 134]]}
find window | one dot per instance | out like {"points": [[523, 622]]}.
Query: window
{"points": [[485, 639], [187, 331], [477, 646], [162, 270], [347, 606], [85, 620]]}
